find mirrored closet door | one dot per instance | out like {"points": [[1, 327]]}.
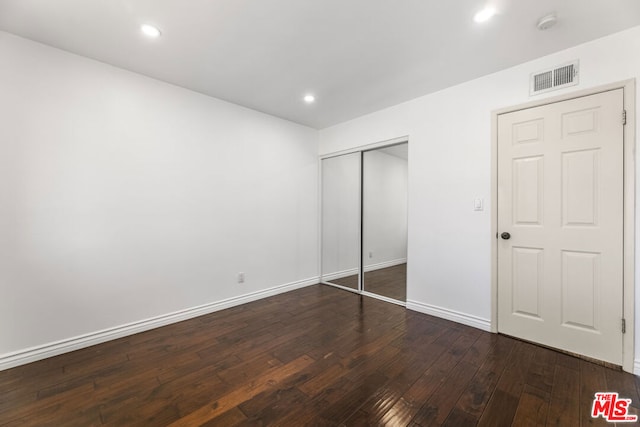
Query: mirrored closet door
{"points": [[364, 221], [384, 221], [341, 221]]}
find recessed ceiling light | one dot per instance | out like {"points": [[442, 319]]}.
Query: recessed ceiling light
{"points": [[309, 99], [485, 14], [150, 31]]}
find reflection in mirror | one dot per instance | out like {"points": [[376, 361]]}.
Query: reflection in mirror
{"points": [[384, 206], [341, 220]]}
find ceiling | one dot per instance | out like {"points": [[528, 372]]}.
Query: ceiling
{"points": [[355, 56]]}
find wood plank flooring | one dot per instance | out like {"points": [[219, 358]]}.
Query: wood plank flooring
{"points": [[317, 356]]}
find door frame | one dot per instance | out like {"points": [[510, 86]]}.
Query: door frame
{"points": [[629, 212]]}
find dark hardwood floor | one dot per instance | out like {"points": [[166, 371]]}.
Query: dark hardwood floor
{"points": [[317, 356]]}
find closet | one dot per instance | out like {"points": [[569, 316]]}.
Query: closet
{"points": [[364, 221]]}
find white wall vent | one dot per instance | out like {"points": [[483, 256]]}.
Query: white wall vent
{"points": [[553, 79]]}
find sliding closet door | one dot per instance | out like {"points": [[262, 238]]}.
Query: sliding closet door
{"points": [[341, 220], [384, 216]]}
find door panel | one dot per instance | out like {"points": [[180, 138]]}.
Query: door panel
{"points": [[528, 190], [560, 196], [384, 221], [527, 278], [341, 221], [580, 188], [580, 289]]}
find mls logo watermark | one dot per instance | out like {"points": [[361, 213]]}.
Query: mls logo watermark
{"points": [[612, 408]]}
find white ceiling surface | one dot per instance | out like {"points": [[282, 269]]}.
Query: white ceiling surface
{"points": [[356, 56]]}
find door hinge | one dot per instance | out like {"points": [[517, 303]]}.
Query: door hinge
{"points": [[624, 117], [624, 326]]}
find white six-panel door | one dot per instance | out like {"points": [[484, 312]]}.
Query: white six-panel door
{"points": [[560, 199]]}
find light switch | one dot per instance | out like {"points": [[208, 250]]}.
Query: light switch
{"points": [[478, 204]]}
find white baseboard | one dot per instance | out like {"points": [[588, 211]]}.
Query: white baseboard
{"points": [[636, 367], [383, 298], [33, 354], [385, 264], [454, 316]]}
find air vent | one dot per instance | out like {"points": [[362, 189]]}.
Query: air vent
{"points": [[553, 79], [543, 81]]}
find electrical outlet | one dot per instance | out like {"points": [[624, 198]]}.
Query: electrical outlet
{"points": [[240, 277]]}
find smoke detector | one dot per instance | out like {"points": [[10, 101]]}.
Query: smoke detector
{"points": [[547, 21]]}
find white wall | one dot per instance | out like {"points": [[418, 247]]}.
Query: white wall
{"points": [[449, 269], [123, 198], [384, 209]]}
